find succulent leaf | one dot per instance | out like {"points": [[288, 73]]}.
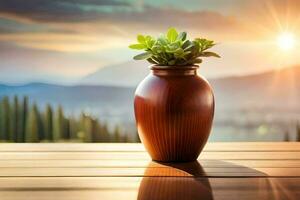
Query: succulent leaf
{"points": [[143, 56], [141, 39], [173, 49], [181, 36], [209, 54], [172, 34], [137, 46]]}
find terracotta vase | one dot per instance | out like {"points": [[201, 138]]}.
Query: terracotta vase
{"points": [[174, 109]]}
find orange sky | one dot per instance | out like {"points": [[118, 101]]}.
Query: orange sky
{"points": [[60, 41]]}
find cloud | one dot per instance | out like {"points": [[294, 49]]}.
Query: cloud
{"points": [[91, 25], [109, 11], [58, 10], [87, 25], [4, 30]]}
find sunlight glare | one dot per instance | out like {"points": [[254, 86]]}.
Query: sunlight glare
{"points": [[286, 41]]}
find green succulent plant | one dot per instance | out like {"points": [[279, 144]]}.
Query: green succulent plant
{"points": [[173, 49]]}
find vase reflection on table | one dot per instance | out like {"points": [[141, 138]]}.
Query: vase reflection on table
{"points": [[179, 181]]}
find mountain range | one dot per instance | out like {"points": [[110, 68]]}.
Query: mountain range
{"points": [[270, 97], [125, 74], [279, 89], [271, 88]]}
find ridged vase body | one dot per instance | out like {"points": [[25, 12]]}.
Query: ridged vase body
{"points": [[174, 109]]}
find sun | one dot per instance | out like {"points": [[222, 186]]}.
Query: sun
{"points": [[286, 41]]}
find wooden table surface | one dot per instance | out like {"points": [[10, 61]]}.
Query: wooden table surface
{"points": [[125, 171]]}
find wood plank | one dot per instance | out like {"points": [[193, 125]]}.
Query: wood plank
{"points": [[159, 188], [74, 183], [144, 155], [134, 195], [92, 171], [155, 172], [145, 163], [125, 147]]}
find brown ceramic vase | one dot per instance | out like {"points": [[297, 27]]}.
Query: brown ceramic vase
{"points": [[174, 109]]}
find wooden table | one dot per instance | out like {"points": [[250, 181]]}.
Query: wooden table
{"points": [[124, 171]]}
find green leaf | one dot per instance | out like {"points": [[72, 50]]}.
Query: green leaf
{"points": [[182, 36], [171, 62], [186, 44], [143, 56], [197, 60], [189, 47], [141, 39], [137, 46], [149, 41], [173, 48], [150, 60], [162, 40], [172, 35], [179, 53], [209, 54]]}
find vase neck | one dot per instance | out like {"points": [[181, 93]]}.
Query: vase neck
{"points": [[174, 70]]}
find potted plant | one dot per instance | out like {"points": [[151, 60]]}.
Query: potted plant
{"points": [[174, 106]]}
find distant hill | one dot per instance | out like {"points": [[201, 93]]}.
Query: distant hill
{"points": [[279, 89], [274, 90], [124, 74]]}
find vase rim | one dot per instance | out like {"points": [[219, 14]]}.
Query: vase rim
{"points": [[173, 67]]}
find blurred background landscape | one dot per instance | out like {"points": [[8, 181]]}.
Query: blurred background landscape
{"points": [[66, 72]]}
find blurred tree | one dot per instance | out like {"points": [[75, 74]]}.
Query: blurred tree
{"points": [[24, 123], [48, 123], [23, 120], [116, 134], [2, 133], [32, 125], [58, 125], [89, 128], [106, 136], [6, 126], [67, 134], [73, 128], [14, 120]]}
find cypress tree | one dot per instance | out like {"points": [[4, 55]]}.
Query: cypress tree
{"points": [[14, 120], [41, 128], [73, 128], [2, 133], [67, 134], [97, 131], [6, 121], [88, 127], [82, 127], [58, 125], [116, 134], [23, 119], [20, 121], [48, 123], [32, 125], [106, 137]]}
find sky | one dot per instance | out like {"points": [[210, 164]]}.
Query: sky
{"points": [[61, 41]]}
